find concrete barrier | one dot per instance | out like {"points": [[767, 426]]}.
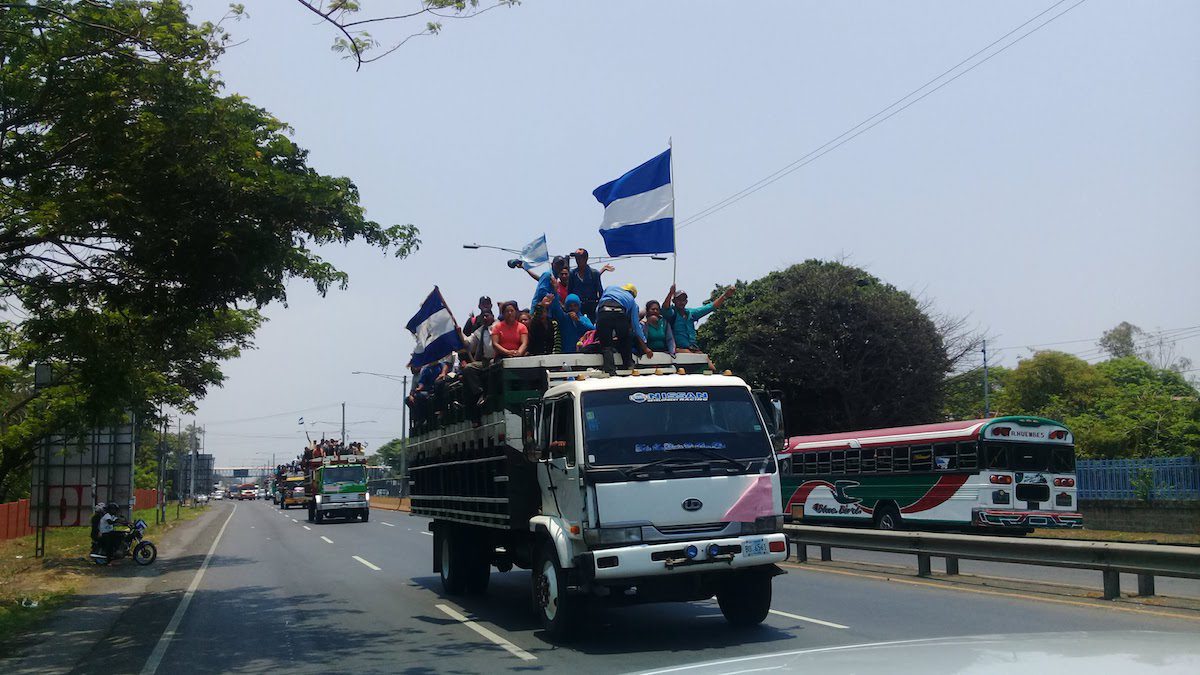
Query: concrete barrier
{"points": [[390, 503], [1173, 516]]}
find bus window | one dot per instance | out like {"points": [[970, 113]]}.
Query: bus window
{"points": [[921, 458], [968, 455], [900, 460], [839, 462], [853, 461], [868, 460], [945, 457], [823, 462], [994, 456], [810, 463], [883, 460], [1062, 460]]}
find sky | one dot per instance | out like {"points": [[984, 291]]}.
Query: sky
{"points": [[1046, 195]]}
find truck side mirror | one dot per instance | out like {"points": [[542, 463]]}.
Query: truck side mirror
{"points": [[530, 416]]}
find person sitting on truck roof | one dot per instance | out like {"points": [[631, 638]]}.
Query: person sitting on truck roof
{"points": [[683, 319], [545, 337], [572, 322], [617, 326], [485, 305], [420, 399], [510, 337], [525, 316], [659, 336], [476, 366]]}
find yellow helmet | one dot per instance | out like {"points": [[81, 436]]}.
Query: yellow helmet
{"points": [[631, 288]]}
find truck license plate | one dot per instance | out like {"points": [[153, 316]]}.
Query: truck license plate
{"points": [[755, 547]]}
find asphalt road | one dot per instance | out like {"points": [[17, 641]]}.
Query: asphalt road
{"points": [[283, 595]]}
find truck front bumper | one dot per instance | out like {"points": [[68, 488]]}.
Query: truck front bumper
{"points": [[343, 506], [684, 557]]}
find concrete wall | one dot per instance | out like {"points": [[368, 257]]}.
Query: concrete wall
{"points": [[1172, 517]]}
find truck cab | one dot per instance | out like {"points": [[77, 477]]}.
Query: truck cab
{"points": [[338, 488], [657, 485]]}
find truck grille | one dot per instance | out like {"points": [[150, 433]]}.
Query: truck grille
{"points": [[1033, 493], [694, 528]]}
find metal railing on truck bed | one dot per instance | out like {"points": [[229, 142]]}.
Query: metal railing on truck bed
{"points": [[1110, 558]]}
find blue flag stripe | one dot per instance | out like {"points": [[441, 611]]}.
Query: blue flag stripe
{"points": [[656, 236], [652, 174], [432, 305], [437, 349]]}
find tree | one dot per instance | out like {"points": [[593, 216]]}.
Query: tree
{"points": [[355, 41], [847, 350], [1052, 384], [145, 219], [390, 453], [963, 393], [1121, 340]]}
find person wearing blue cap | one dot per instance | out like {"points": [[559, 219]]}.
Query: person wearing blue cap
{"points": [[572, 322]]}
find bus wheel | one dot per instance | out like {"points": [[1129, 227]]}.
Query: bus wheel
{"points": [[555, 608], [887, 517], [745, 599]]}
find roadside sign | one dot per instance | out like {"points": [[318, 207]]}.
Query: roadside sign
{"points": [[70, 475]]}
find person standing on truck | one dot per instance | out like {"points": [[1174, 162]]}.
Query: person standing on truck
{"points": [[485, 305], [548, 282], [683, 319], [510, 337], [585, 282], [659, 336], [545, 336], [617, 326], [479, 353]]}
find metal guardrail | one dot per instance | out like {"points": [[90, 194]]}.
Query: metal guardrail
{"points": [[1111, 559]]}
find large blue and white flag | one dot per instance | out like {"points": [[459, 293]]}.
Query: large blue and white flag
{"points": [[435, 331], [535, 252], [639, 210]]}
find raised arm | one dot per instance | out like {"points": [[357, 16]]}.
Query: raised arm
{"points": [[722, 298]]}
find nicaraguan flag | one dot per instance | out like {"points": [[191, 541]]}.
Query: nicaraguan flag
{"points": [[535, 252], [639, 210], [434, 329]]}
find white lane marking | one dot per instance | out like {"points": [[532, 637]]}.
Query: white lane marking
{"points": [[809, 619], [508, 646], [327, 539], [818, 650], [294, 520], [306, 527], [428, 533], [160, 649], [389, 524], [365, 562]]}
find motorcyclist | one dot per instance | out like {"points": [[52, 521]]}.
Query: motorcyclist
{"points": [[97, 513], [110, 537]]}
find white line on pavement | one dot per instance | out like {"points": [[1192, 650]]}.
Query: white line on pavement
{"points": [[389, 524], [809, 619], [428, 533], [365, 562], [776, 655], [160, 649], [327, 539], [508, 646], [294, 520], [306, 527]]}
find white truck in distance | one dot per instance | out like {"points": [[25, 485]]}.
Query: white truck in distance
{"points": [[649, 486]]}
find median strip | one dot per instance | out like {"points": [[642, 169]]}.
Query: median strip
{"points": [[809, 619], [365, 562], [485, 632]]}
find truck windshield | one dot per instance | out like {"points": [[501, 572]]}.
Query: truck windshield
{"points": [[634, 427], [342, 474]]}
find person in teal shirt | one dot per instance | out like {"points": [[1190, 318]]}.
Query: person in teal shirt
{"points": [[682, 318], [659, 335]]}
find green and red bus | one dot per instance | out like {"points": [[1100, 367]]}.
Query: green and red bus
{"points": [[1005, 474]]}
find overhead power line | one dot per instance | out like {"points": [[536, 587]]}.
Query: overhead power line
{"points": [[1154, 334], [883, 115]]}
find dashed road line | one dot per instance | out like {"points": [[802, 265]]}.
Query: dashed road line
{"points": [[294, 520], [809, 619], [368, 563], [306, 527], [487, 633], [389, 524], [428, 533], [327, 539]]}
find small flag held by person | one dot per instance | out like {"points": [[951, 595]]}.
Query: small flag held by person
{"points": [[639, 210], [535, 252], [434, 329]]}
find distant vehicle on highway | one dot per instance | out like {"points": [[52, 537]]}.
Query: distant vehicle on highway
{"points": [[218, 495], [246, 491], [1006, 474], [201, 499], [261, 493]]}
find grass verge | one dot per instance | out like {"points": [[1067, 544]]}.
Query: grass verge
{"points": [[32, 588], [1114, 535]]}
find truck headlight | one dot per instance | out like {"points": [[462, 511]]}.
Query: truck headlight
{"points": [[610, 536], [768, 524], [366, 496]]}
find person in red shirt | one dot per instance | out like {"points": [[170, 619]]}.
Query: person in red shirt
{"points": [[510, 337]]}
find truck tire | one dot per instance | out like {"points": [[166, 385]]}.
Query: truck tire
{"points": [[449, 543], [555, 608], [312, 513], [319, 515], [366, 515], [745, 599]]}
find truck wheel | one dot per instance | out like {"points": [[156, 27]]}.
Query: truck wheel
{"points": [[451, 568], [745, 599], [319, 515], [366, 515], [311, 513], [887, 517], [555, 608]]}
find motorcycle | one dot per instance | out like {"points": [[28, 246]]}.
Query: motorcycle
{"points": [[133, 544]]}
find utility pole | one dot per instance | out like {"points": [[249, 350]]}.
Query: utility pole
{"points": [[179, 464], [404, 436], [987, 401], [195, 443], [343, 438]]}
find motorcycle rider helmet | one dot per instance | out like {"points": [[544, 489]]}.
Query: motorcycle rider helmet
{"points": [[112, 508]]}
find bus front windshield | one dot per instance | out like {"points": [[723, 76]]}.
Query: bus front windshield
{"points": [[1031, 457], [634, 427]]}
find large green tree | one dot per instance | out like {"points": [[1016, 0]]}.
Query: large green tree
{"points": [[847, 350], [145, 217]]}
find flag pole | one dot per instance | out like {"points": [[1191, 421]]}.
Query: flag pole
{"points": [[674, 244]]}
